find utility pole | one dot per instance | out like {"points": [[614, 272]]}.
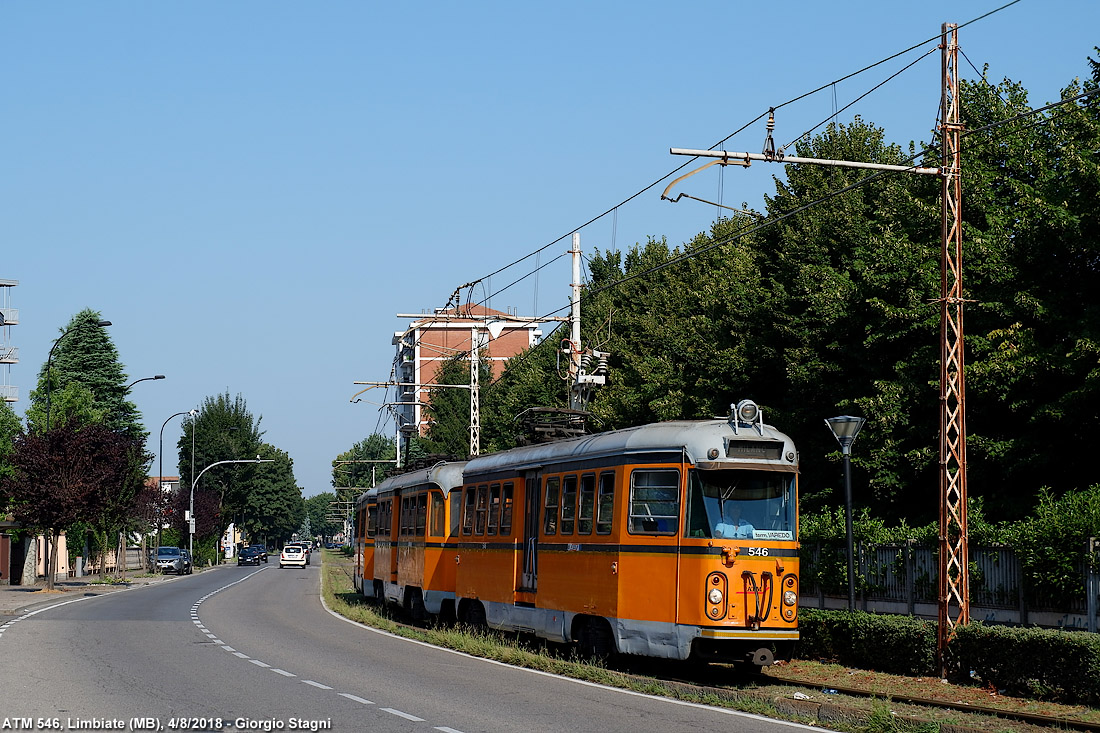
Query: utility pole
{"points": [[954, 579], [475, 392], [587, 369], [575, 401]]}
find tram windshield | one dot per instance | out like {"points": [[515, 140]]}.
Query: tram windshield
{"points": [[742, 504]]}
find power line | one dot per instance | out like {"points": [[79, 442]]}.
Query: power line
{"points": [[613, 209], [729, 239]]}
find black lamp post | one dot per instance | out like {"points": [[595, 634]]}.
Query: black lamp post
{"points": [[845, 429], [49, 360]]}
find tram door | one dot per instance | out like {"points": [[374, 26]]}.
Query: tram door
{"points": [[531, 504]]}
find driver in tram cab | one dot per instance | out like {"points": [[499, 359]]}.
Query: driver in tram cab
{"points": [[736, 526]]}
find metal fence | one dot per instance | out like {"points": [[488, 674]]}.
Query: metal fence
{"points": [[905, 579]]}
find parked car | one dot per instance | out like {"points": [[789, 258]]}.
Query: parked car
{"points": [[173, 560], [251, 556], [293, 554]]}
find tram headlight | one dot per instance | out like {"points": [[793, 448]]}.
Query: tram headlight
{"points": [[715, 596], [790, 597]]}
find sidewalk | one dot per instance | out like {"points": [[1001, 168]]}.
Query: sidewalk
{"points": [[16, 600]]}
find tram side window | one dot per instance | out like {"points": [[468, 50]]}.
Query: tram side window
{"points": [[468, 511], [551, 506], [506, 510], [654, 501], [421, 513], [456, 511], [438, 519], [404, 515], [605, 504], [586, 506], [482, 509], [568, 504], [384, 526], [494, 508]]}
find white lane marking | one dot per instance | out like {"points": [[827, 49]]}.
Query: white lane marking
{"points": [[350, 696], [258, 663], [283, 672], [228, 648], [316, 684], [239, 654], [585, 683], [445, 729], [400, 714]]}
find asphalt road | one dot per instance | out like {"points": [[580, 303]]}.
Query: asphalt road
{"points": [[254, 649]]}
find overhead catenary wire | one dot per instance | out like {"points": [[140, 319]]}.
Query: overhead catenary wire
{"points": [[614, 210], [936, 38], [760, 225]]}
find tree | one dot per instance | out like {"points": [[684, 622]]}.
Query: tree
{"points": [[449, 409], [317, 516], [84, 356], [223, 430], [365, 463], [274, 507], [59, 478], [10, 427]]}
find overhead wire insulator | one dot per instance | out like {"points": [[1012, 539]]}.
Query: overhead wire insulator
{"points": [[769, 141]]}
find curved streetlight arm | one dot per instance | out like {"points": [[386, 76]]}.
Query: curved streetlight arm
{"points": [[160, 457], [144, 379]]}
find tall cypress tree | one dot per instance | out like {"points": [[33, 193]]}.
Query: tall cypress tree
{"points": [[87, 381]]}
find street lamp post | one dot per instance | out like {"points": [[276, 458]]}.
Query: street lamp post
{"points": [[845, 429], [49, 360], [160, 469], [194, 483]]}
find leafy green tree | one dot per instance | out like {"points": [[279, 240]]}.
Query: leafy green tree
{"points": [[1035, 373], [449, 408], [317, 515], [64, 476], [274, 507], [10, 428], [529, 380], [223, 430]]}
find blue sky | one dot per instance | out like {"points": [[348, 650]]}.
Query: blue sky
{"points": [[250, 191]]}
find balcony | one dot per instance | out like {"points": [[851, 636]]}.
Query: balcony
{"points": [[11, 316], [9, 354], [9, 393]]}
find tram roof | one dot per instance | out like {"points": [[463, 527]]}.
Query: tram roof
{"points": [[444, 475], [693, 437]]}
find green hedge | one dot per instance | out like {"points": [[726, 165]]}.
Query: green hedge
{"points": [[1045, 664], [896, 644]]}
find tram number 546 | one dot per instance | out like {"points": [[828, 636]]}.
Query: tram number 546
{"points": [[761, 551]]}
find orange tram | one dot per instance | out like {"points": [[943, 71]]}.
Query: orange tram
{"points": [[675, 540]]}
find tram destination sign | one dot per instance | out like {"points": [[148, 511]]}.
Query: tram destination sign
{"points": [[768, 450]]}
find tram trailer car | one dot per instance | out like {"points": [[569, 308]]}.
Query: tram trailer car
{"points": [[673, 540], [366, 521], [414, 564]]}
